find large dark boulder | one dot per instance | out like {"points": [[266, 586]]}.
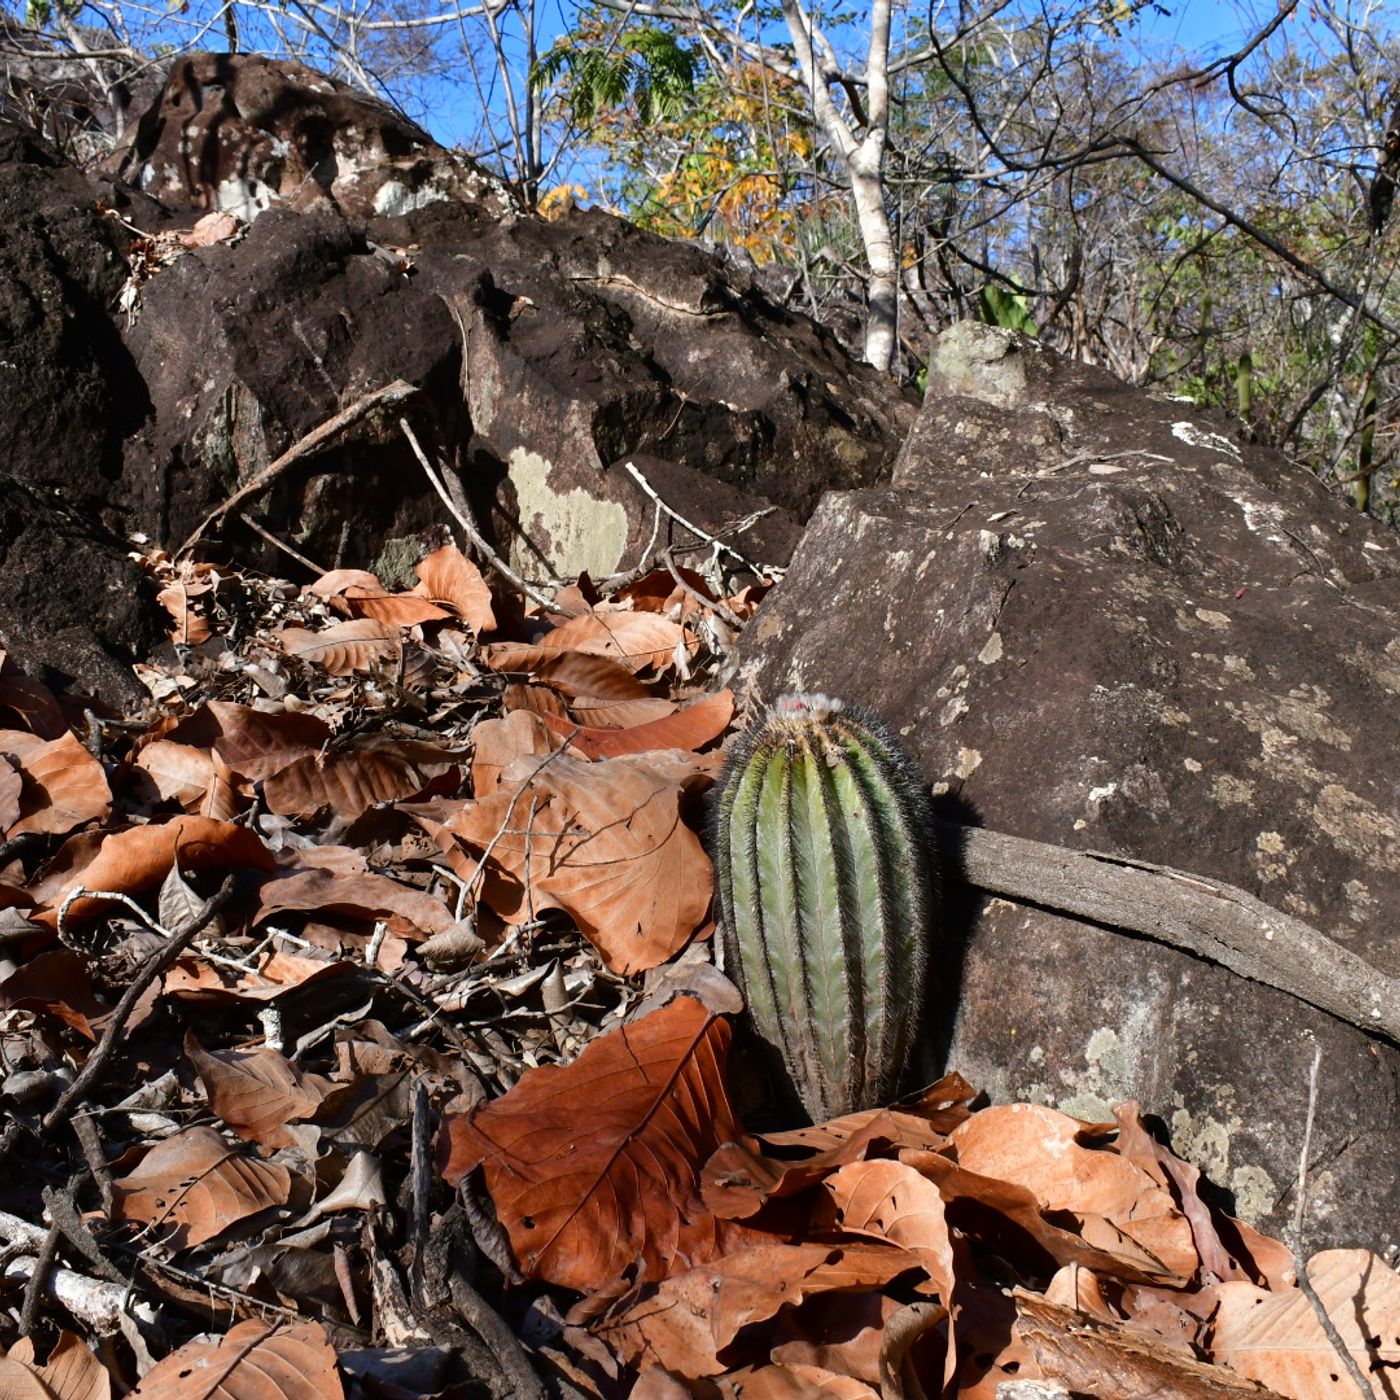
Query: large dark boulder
{"points": [[549, 353], [1102, 619]]}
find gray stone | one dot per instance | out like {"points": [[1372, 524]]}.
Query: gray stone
{"points": [[1101, 619]]}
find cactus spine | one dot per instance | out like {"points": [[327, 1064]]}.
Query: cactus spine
{"points": [[827, 898]]}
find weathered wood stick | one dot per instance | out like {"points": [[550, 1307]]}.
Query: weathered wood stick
{"points": [[393, 393], [1205, 917]]}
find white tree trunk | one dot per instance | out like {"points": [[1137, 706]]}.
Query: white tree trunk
{"points": [[864, 158]]}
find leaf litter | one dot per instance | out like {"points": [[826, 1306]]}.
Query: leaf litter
{"points": [[443, 1098]]}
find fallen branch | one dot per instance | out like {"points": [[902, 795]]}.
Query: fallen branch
{"points": [[1201, 916], [116, 1027], [393, 393], [90, 1300]]}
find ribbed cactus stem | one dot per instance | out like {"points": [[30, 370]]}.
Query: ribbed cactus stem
{"points": [[827, 898]]}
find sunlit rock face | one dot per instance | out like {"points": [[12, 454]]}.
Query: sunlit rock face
{"points": [[1105, 620]]}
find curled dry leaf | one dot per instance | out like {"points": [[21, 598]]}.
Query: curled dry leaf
{"points": [[343, 647], [572, 673], [194, 1185], [255, 1361], [395, 609], [690, 728], [360, 895], [794, 1382], [30, 701], [637, 640], [584, 1209], [1276, 1339], [1041, 1150], [194, 979], [198, 779], [347, 782], [64, 787], [72, 1372], [189, 626], [448, 577], [11, 785], [252, 742], [129, 862], [257, 1092], [605, 842], [687, 1320]]}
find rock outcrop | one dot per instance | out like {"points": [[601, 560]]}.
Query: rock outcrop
{"points": [[1103, 620], [145, 375], [549, 353]]}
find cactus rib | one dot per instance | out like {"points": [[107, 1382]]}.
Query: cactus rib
{"points": [[827, 897]]}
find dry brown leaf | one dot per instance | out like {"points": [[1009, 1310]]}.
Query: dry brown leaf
{"points": [[448, 577], [589, 1200], [572, 673], [181, 772], [606, 844], [497, 743], [684, 1322], [739, 1180], [891, 1201], [1093, 1359], [64, 787], [194, 979], [1276, 1339], [395, 609], [343, 647], [690, 728], [335, 582], [257, 1092], [32, 702], [194, 1185], [348, 782], [637, 640], [255, 1361], [591, 712], [72, 1372], [11, 785], [19, 1381], [793, 1383], [360, 895], [60, 983], [191, 628], [1250, 1256], [129, 862], [252, 742], [1040, 1149]]}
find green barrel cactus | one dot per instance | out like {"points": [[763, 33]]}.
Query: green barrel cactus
{"points": [[828, 897]]}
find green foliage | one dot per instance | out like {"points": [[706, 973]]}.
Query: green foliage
{"points": [[827, 897], [646, 67], [1009, 310]]}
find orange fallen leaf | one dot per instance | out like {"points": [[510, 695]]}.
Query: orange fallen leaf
{"points": [[64, 787], [687, 1320], [1276, 1339], [72, 1372], [350, 781], [638, 640], [1041, 1150], [621, 1199], [257, 1092], [255, 1361], [690, 728], [129, 862], [605, 842], [194, 1185], [361, 895], [343, 647], [448, 577]]}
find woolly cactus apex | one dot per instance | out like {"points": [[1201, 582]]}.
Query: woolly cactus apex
{"points": [[827, 897]]}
